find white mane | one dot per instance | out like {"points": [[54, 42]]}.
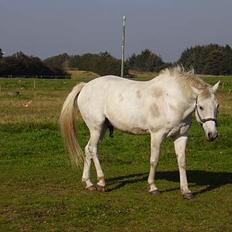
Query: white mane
{"points": [[187, 79]]}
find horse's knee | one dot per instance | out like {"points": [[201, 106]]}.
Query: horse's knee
{"points": [[181, 161], [154, 161], [182, 166], [91, 148]]}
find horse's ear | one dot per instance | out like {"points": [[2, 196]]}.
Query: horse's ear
{"points": [[215, 87]]}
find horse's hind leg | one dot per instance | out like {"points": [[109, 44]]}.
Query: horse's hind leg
{"points": [[86, 170], [91, 154]]}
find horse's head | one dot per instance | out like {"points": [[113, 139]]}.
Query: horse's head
{"points": [[206, 111]]}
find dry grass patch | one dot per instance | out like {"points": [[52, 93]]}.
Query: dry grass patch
{"points": [[77, 74], [39, 106]]}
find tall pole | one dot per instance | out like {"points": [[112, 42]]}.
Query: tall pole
{"points": [[123, 44]]}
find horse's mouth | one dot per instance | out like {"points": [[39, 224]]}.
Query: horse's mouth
{"points": [[211, 137]]}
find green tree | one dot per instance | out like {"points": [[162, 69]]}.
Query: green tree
{"points": [[1, 53], [20, 64], [146, 61], [59, 61], [103, 63], [208, 59]]}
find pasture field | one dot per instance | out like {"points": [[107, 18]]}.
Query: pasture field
{"points": [[41, 191]]}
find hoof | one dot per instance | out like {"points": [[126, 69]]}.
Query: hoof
{"points": [[188, 196], [100, 188], [91, 188], [155, 192]]}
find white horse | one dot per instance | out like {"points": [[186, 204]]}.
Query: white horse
{"points": [[162, 107]]}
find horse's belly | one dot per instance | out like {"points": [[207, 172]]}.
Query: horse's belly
{"points": [[130, 125], [133, 130]]}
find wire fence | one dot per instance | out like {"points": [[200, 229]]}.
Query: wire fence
{"points": [[67, 76], [14, 87]]}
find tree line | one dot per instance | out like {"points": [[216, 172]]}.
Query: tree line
{"points": [[209, 59], [20, 64], [103, 63]]}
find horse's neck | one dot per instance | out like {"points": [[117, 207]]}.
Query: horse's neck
{"points": [[173, 87], [184, 98], [189, 101]]}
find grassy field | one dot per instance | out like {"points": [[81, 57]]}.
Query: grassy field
{"points": [[40, 191]]}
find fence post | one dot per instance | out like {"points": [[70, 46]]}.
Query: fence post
{"points": [[34, 86]]}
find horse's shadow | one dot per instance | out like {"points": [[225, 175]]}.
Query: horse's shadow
{"points": [[209, 180]]}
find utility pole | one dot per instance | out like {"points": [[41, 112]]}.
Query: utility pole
{"points": [[123, 44]]}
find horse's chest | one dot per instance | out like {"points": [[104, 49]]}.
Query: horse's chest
{"points": [[181, 129]]}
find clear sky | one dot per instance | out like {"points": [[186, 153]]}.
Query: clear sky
{"points": [[49, 27]]}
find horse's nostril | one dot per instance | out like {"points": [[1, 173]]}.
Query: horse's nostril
{"points": [[212, 136]]}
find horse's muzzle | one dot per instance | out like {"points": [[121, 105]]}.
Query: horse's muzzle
{"points": [[212, 136]]}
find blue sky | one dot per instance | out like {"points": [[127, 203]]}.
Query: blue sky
{"points": [[49, 27]]}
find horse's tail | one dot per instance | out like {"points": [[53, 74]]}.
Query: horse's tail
{"points": [[67, 125]]}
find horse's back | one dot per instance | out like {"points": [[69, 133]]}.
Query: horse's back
{"points": [[104, 86], [110, 97]]}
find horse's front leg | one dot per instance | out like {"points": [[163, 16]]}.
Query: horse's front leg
{"points": [[180, 145], [156, 140]]}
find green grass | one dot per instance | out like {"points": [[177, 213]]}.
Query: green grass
{"points": [[41, 191]]}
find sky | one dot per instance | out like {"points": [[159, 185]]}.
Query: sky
{"points": [[46, 28]]}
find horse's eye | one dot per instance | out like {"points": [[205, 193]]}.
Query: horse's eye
{"points": [[201, 108]]}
